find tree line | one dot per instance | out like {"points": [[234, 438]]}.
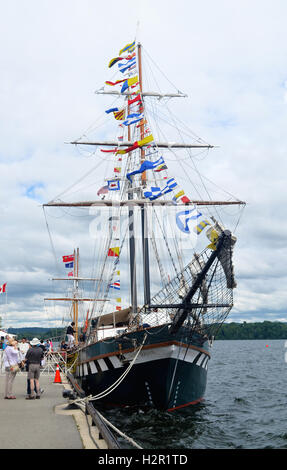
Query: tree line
{"points": [[259, 330], [40, 333]]}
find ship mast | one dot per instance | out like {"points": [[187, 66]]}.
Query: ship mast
{"points": [[134, 199], [144, 221], [75, 299], [133, 274], [76, 286]]}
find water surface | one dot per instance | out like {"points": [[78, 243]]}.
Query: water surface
{"points": [[244, 407]]}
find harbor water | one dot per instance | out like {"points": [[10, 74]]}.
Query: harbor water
{"points": [[244, 406]]}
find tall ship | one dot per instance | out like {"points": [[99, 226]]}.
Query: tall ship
{"points": [[164, 280]]}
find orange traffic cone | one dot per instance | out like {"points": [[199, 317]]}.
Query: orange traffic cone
{"points": [[57, 379]]}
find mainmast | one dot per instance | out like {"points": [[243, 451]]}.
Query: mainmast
{"points": [[144, 221], [133, 273]]}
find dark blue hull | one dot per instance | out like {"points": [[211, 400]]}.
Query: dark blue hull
{"points": [[169, 373]]}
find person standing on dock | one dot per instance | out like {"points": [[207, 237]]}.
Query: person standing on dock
{"points": [[23, 348], [11, 359], [70, 334], [34, 357]]}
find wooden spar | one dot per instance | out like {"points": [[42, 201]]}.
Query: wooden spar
{"points": [[77, 278], [144, 93], [77, 299], [112, 143], [140, 202]]}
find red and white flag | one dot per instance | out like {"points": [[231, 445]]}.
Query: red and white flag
{"points": [[3, 288], [71, 274], [68, 258]]}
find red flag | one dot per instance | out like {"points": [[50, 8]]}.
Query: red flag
{"points": [[185, 199], [107, 151], [115, 251], [134, 100], [3, 288], [114, 83], [68, 258]]}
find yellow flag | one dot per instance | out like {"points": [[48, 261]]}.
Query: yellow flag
{"points": [[181, 193], [146, 140], [133, 80], [114, 251], [213, 237], [128, 48]]}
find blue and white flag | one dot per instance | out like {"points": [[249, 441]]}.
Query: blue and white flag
{"points": [[146, 165], [114, 185], [133, 118], [153, 193], [123, 66], [112, 110], [115, 285], [183, 217], [69, 265], [156, 192]]}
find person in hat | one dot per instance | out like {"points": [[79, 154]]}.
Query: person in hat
{"points": [[34, 357]]}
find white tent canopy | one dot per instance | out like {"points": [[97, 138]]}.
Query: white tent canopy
{"points": [[4, 333]]}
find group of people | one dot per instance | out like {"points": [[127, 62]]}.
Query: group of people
{"points": [[30, 356], [20, 356]]}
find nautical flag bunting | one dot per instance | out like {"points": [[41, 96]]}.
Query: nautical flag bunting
{"points": [[114, 185], [69, 265], [115, 251], [128, 48], [129, 82], [156, 192], [146, 165], [133, 118], [183, 217], [68, 258], [103, 190]]}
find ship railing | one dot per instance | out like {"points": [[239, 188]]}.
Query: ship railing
{"points": [[49, 364]]}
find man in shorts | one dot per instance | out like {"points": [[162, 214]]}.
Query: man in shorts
{"points": [[34, 356]]}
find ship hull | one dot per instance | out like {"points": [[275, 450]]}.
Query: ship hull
{"points": [[169, 373]]}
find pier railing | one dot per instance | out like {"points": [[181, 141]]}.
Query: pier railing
{"points": [[51, 360]]}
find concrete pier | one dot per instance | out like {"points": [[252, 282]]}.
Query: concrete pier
{"points": [[41, 424]]}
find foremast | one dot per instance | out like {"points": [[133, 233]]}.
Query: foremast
{"points": [[75, 298]]}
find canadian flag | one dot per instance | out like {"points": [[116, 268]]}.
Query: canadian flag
{"points": [[3, 288], [68, 258]]}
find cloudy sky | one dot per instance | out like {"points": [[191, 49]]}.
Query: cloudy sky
{"points": [[229, 57]]}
